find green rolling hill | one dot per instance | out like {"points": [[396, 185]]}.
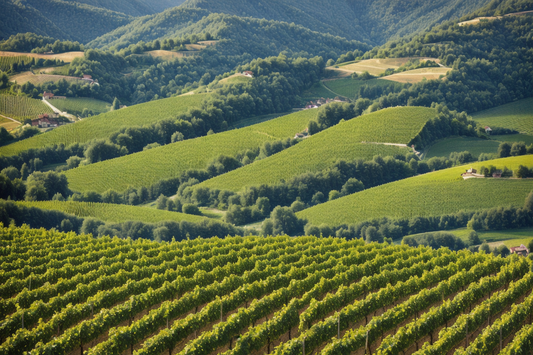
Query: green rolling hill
{"points": [[147, 167], [516, 115], [397, 125], [108, 212], [102, 126], [431, 194]]}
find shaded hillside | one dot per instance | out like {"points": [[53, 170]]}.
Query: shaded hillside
{"points": [[133, 7], [258, 38], [370, 21], [58, 19]]}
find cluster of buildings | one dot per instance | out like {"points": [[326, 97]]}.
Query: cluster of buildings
{"points": [[47, 120], [472, 173]]}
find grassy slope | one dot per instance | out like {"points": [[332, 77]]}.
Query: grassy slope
{"points": [[417, 75], [113, 213], [348, 87], [77, 104], [343, 141], [103, 125], [516, 115], [147, 167], [510, 237], [434, 193], [476, 146]]}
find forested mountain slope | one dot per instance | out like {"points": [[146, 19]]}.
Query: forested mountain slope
{"points": [[371, 21], [132, 7], [59, 19]]}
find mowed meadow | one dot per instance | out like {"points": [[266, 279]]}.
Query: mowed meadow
{"points": [[357, 138], [432, 194], [102, 126], [147, 167], [108, 212]]}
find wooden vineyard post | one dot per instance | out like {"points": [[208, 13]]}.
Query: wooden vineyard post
{"points": [[92, 310], [303, 346], [339, 327], [466, 332], [366, 342], [22, 319], [221, 312], [501, 340]]}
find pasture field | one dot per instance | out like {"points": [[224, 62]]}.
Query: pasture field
{"points": [[166, 55], [66, 57], [61, 70], [22, 107], [204, 296], [235, 79], [147, 167], [516, 115], [510, 237], [377, 66], [29, 77], [8, 124], [431, 194], [474, 145], [75, 105], [343, 141], [317, 91], [348, 87], [113, 213], [417, 75], [102, 126]]}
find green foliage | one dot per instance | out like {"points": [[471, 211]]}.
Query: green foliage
{"points": [[57, 19]]}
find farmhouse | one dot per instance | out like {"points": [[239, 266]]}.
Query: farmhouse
{"points": [[497, 174], [488, 129], [50, 96], [248, 74], [522, 250], [45, 120]]}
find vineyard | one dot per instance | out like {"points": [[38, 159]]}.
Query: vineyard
{"points": [[432, 194], [113, 213], [516, 115], [7, 62], [67, 293], [102, 126], [343, 141], [172, 159], [22, 107]]}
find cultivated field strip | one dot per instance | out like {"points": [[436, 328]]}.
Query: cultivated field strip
{"points": [[255, 295]]}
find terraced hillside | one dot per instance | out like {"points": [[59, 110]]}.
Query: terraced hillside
{"points": [[245, 295], [113, 213], [104, 125], [358, 138], [431, 194], [147, 167]]}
